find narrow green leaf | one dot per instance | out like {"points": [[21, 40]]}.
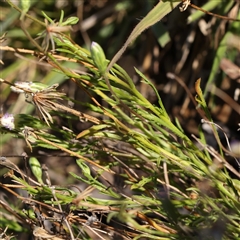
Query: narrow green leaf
{"points": [[70, 21], [155, 15]]}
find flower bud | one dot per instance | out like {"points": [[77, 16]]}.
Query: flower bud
{"points": [[36, 169], [98, 57], [7, 121]]}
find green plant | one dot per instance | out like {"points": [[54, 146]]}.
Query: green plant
{"points": [[175, 189]]}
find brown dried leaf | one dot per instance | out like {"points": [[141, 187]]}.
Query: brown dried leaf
{"points": [[232, 70]]}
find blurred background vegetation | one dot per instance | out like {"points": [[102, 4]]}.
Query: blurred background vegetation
{"points": [[184, 44]]}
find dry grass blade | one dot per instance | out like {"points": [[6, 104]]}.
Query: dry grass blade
{"points": [[45, 102], [4, 162], [231, 69], [82, 116], [41, 233], [210, 13]]}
